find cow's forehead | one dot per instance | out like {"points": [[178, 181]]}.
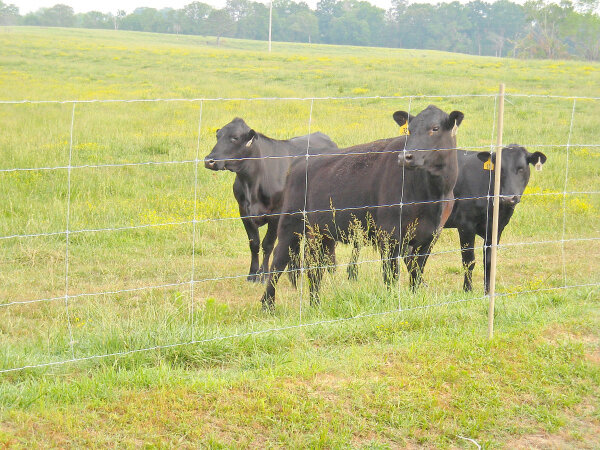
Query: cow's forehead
{"points": [[235, 127], [430, 116], [514, 154]]}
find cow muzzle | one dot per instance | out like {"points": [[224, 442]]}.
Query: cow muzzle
{"points": [[510, 200], [407, 160], [211, 164]]}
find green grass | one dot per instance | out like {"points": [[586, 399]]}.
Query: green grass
{"points": [[421, 377]]}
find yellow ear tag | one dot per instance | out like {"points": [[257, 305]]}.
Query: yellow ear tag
{"points": [[404, 130], [538, 165], [488, 165]]}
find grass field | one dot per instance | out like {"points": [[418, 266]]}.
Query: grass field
{"points": [[423, 377]]}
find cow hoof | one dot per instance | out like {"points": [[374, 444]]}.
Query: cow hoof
{"points": [[268, 305], [352, 273], [254, 278]]}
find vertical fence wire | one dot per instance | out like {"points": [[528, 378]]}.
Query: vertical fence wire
{"points": [[401, 241], [67, 238], [195, 220], [303, 246], [564, 224], [489, 192]]}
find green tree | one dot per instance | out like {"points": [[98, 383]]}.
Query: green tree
{"points": [[195, 15], [9, 14], [220, 23], [507, 24], [93, 19], [543, 34]]}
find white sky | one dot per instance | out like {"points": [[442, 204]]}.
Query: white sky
{"points": [[106, 6]]}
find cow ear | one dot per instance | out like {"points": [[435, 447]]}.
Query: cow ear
{"points": [[484, 156], [534, 158], [250, 136], [454, 119], [401, 117]]}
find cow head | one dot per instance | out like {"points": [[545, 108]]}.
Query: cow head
{"points": [[515, 171], [234, 145], [431, 140]]}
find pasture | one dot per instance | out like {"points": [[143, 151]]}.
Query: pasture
{"points": [[145, 219]]}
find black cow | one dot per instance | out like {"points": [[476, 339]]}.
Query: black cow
{"points": [[473, 214], [261, 165], [364, 188]]}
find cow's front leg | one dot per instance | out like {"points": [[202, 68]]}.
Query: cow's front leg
{"points": [[268, 244], [467, 251], [487, 258], [254, 241]]}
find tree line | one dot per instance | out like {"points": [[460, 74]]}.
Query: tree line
{"points": [[536, 29]]}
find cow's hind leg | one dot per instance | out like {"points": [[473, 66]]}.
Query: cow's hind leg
{"points": [[294, 264], [467, 242], [389, 258], [352, 266], [415, 262], [289, 234], [320, 255]]}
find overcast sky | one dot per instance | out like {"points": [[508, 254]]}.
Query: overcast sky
{"points": [[105, 6]]}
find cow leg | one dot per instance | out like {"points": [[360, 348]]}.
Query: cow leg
{"points": [[487, 258], [254, 241], [294, 264], [289, 233], [352, 267], [322, 255], [467, 242], [267, 245], [415, 263], [315, 275], [389, 256]]}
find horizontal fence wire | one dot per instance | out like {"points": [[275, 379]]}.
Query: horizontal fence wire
{"points": [[291, 327], [299, 270], [192, 282], [259, 216], [334, 98], [268, 157]]}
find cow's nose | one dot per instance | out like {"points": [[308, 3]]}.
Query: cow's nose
{"points": [[511, 200], [209, 164], [406, 159]]}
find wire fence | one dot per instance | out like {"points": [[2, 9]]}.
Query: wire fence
{"points": [[73, 347]]}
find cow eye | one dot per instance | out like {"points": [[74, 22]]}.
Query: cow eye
{"points": [[520, 170], [234, 139], [435, 128]]}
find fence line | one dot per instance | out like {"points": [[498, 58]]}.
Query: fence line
{"points": [[196, 161], [71, 342], [257, 216], [303, 250], [192, 290], [288, 327], [192, 281], [328, 266], [564, 224], [254, 99]]}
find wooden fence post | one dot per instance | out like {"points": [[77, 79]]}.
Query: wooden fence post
{"points": [[497, 173]]}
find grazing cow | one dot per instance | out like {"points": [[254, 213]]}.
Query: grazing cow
{"points": [[473, 214], [261, 165], [364, 188]]}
